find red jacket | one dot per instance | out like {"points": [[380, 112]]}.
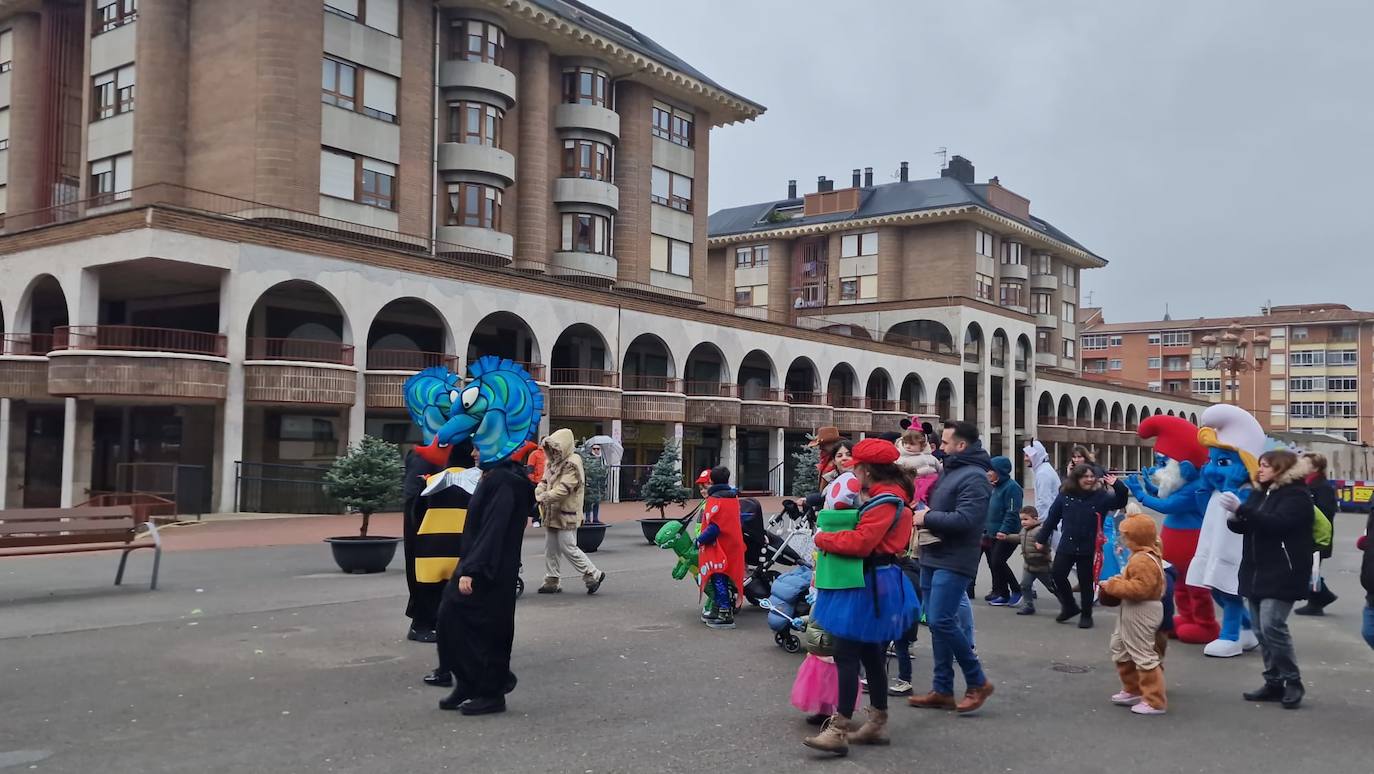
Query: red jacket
{"points": [[875, 533]]}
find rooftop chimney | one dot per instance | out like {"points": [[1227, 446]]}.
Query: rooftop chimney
{"points": [[856, 178], [904, 171], [791, 189], [823, 185], [868, 177], [960, 169]]}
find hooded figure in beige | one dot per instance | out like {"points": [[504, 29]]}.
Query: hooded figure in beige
{"points": [[559, 496], [1139, 589]]}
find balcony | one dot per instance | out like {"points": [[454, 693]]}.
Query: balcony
{"points": [[1015, 271], [296, 371], [588, 118], [809, 410], [1046, 359], [584, 393], [1046, 320], [486, 245], [763, 407], [476, 163], [24, 365], [1044, 281], [388, 369], [852, 415], [650, 398], [134, 361], [594, 268], [481, 81], [712, 403], [585, 191]]}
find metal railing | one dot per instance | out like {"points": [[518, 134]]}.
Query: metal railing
{"points": [[27, 344], [308, 350], [800, 398], [768, 394], [711, 389], [882, 404], [848, 401], [262, 487], [651, 383], [586, 377], [140, 339], [408, 360], [187, 487]]}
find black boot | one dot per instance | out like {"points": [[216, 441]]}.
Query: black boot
{"points": [[1292, 694], [484, 706], [1068, 610], [1086, 622], [454, 700], [439, 679], [1270, 692]]}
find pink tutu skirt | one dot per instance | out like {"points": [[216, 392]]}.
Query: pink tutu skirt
{"points": [[816, 689]]}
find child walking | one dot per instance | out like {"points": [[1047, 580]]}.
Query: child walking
{"points": [[1140, 589], [1036, 560], [815, 690], [721, 555]]}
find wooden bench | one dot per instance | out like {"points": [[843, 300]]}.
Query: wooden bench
{"points": [[78, 530]]}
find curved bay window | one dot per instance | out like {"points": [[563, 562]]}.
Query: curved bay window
{"points": [[474, 204], [585, 86], [587, 159], [475, 123], [476, 41], [583, 233]]}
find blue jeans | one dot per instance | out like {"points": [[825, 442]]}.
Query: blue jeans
{"points": [[950, 629], [1368, 630], [593, 514]]}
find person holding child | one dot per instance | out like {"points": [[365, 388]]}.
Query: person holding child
{"points": [[1035, 559]]}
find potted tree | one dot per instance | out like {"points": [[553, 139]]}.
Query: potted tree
{"points": [[806, 477], [663, 488], [366, 479]]}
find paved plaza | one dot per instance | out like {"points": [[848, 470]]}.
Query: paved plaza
{"points": [[264, 658]]}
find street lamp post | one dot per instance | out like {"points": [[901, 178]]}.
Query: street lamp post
{"points": [[1228, 354]]}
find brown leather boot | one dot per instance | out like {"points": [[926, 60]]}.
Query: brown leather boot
{"points": [[833, 738], [974, 697], [874, 729], [933, 700]]}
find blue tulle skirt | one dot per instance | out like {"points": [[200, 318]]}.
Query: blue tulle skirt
{"points": [[882, 611]]}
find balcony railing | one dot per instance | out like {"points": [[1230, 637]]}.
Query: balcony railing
{"points": [[140, 339], [586, 377], [848, 401], [408, 360], [306, 350], [805, 398], [767, 394], [882, 404], [652, 383], [27, 344], [711, 389]]}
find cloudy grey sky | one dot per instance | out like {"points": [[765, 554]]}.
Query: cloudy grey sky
{"points": [[1218, 154]]}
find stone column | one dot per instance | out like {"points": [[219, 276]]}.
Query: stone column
{"points": [[1009, 413], [532, 171], [617, 433], [5, 430], [777, 445], [984, 420], [230, 417], [681, 455], [729, 450], [780, 261], [357, 413]]}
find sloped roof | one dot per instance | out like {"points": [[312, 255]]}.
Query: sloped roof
{"points": [[1258, 320]]}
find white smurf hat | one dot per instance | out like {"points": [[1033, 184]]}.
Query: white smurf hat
{"points": [[1230, 427]]}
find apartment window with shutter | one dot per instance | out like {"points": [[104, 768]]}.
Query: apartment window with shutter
{"points": [[585, 86], [1041, 303], [1070, 276], [750, 257], [670, 256], [475, 123], [855, 245], [379, 96], [672, 124], [338, 83], [112, 14], [358, 179], [4, 129], [1012, 253], [1069, 349], [1068, 312], [984, 286], [6, 51], [476, 41], [1013, 294], [383, 15], [110, 179], [112, 93], [585, 233], [671, 189], [1042, 341], [377, 185], [1042, 264], [474, 204], [587, 159], [984, 243]]}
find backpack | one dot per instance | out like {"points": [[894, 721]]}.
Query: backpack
{"points": [[1321, 529]]}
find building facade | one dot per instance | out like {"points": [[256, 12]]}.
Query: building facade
{"points": [[1317, 378], [221, 276]]}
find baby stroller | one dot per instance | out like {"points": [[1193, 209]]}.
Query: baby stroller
{"points": [[788, 538], [787, 605]]}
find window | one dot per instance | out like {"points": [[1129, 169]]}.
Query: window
{"points": [[1094, 366], [1200, 363], [671, 189], [671, 256], [1012, 253], [1153, 364], [1176, 364], [583, 233], [672, 124], [1343, 409], [474, 123], [4, 132], [1342, 357], [584, 86], [1041, 303], [1153, 386], [1013, 294], [1152, 338], [112, 93], [6, 50], [1342, 384], [744, 296], [1277, 333], [379, 96], [750, 257], [849, 289], [476, 41], [984, 243], [1307, 410], [358, 178], [854, 245], [1206, 386], [381, 15], [1042, 264], [474, 204], [1300, 334], [984, 283], [1277, 385], [110, 14], [110, 179], [1350, 435], [338, 83], [1173, 386], [1095, 341], [1068, 313], [1042, 341], [1177, 338], [1276, 362], [378, 184], [1069, 275], [587, 159], [1068, 349], [1115, 341], [1345, 333], [1311, 357], [1115, 364]]}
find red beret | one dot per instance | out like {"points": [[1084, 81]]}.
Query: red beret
{"points": [[875, 451]]}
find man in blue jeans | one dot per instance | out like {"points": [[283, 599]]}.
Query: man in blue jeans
{"points": [[958, 507]]}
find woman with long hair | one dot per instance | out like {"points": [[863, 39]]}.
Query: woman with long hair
{"points": [[1276, 565], [1079, 508], [864, 619], [1324, 497]]}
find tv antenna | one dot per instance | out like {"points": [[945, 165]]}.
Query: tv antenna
{"points": [[943, 153]]}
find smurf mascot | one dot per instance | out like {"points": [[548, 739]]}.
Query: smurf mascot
{"points": [[1234, 441], [1174, 487]]}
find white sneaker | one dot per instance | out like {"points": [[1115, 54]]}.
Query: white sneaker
{"points": [[1222, 649], [1144, 709], [899, 687], [1248, 640], [1123, 699]]}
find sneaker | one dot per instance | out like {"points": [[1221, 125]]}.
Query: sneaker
{"points": [[989, 597], [1014, 600], [998, 601], [899, 687], [1144, 709], [1123, 699], [1027, 610], [594, 582], [721, 623], [550, 588]]}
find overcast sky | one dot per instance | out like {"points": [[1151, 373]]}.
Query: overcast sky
{"points": [[1218, 154]]}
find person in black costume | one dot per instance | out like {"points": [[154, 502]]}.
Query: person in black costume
{"points": [[477, 615], [423, 606]]}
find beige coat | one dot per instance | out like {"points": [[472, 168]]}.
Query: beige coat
{"points": [[560, 493]]}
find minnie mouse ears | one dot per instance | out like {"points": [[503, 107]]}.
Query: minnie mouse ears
{"points": [[906, 423]]}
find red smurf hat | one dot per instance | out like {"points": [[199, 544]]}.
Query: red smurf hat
{"points": [[875, 451], [1175, 438], [705, 477]]}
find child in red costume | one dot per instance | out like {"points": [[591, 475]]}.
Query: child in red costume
{"points": [[721, 552]]}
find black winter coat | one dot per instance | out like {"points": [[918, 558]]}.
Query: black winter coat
{"points": [[1324, 497], [1081, 516], [958, 508], [1367, 563], [1277, 525]]}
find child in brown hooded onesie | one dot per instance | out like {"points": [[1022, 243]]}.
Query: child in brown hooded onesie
{"points": [[1140, 589]]}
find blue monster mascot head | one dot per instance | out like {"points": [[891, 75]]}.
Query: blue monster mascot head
{"points": [[498, 408]]}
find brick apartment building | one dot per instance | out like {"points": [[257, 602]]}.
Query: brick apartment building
{"points": [[1317, 378], [232, 229]]}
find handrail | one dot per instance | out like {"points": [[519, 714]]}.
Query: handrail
{"points": [[139, 338], [804, 399], [408, 360], [26, 344], [766, 394], [651, 383], [308, 350], [711, 389], [882, 404], [586, 377], [849, 401]]}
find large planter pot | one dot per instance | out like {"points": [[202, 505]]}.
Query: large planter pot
{"points": [[356, 554], [651, 526], [589, 537]]}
